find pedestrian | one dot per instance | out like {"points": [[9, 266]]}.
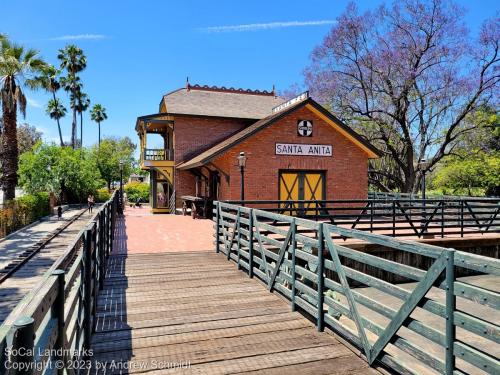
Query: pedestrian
{"points": [[89, 203], [59, 213]]}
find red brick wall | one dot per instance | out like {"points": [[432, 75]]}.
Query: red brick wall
{"points": [[193, 135], [346, 171]]}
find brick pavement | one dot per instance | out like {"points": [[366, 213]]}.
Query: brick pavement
{"points": [[147, 233]]}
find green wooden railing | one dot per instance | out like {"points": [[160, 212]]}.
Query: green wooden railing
{"points": [[396, 217], [434, 321], [53, 324]]}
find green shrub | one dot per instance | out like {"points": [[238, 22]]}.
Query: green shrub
{"points": [[23, 211], [137, 190], [102, 195]]}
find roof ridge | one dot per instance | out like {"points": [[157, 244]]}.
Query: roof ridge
{"points": [[230, 90]]}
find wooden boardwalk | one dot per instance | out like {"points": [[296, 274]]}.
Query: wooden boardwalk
{"points": [[195, 313]]}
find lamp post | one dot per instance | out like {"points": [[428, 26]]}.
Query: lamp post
{"points": [[242, 160], [423, 168], [120, 206]]}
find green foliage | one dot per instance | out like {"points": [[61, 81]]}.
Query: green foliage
{"points": [[102, 195], [66, 172], [23, 211], [137, 190], [107, 157], [474, 169], [471, 175]]}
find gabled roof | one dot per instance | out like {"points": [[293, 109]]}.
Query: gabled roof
{"points": [[213, 152], [198, 100]]}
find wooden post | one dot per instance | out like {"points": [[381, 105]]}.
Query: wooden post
{"points": [[102, 254], [110, 238], [320, 323], [95, 273], [87, 290], [393, 218], [250, 244], [371, 217], [442, 218], [217, 226], [23, 344], [450, 310], [238, 245], [293, 245], [113, 224], [461, 217], [58, 314]]}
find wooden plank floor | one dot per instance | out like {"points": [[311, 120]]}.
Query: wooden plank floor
{"points": [[195, 313]]}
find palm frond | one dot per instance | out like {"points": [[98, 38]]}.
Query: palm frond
{"points": [[21, 100]]}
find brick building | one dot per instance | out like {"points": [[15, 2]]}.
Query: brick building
{"points": [[295, 150]]}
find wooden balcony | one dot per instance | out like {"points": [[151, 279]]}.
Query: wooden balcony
{"points": [[155, 154]]}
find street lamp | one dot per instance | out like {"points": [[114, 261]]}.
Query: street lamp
{"points": [[423, 165], [242, 160], [120, 208], [423, 168]]}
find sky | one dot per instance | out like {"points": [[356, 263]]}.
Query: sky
{"points": [[139, 50]]}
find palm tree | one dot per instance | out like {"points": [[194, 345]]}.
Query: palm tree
{"points": [[98, 114], [48, 81], [81, 102], [56, 111], [16, 63], [74, 61]]}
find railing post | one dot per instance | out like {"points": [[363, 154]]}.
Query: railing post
{"points": [[23, 345], [95, 271], [450, 310], [87, 291], [442, 218], [293, 245], [250, 244], [102, 255], [58, 313], [371, 217], [393, 218], [461, 217], [110, 226], [113, 223], [217, 226], [238, 246], [320, 323]]}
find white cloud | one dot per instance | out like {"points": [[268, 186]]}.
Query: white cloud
{"points": [[80, 37], [33, 103], [263, 26]]}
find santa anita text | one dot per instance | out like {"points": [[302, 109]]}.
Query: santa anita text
{"points": [[303, 149]]}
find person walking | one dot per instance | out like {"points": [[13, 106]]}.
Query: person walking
{"points": [[90, 203]]}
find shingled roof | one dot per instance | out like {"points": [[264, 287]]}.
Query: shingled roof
{"points": [[221, 102], [235, 139]]}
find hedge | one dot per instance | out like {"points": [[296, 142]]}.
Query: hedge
{"points": [[22, 211], [137, 190], [102, 195]]}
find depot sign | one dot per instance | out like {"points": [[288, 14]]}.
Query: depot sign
{"points": [[303, 149]]}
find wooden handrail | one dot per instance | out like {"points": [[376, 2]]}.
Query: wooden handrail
{"points": [[82, 266], [300, 259]]}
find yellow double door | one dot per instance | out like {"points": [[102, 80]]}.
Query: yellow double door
{"points": [[297, 186]]}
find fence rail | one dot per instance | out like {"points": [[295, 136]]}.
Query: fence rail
{"points": [[396, 217], [425, 324], [54, 322]]}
